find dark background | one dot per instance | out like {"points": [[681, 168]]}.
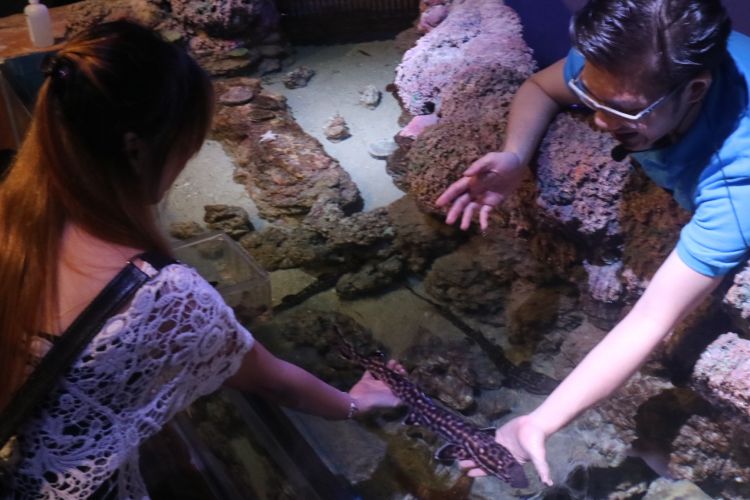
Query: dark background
{"points": [[545, 24], [545, 21], [8, 7]]}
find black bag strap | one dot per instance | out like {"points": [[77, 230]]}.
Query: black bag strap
{"points": [[74, 340]]}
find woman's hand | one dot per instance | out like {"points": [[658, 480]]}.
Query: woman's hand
{"points": [[484, 185], [370, 393], [525, 439]]}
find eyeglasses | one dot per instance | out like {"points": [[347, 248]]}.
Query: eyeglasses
{"points": [[579, 89]]}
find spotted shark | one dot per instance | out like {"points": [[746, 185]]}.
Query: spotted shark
{"points": [[465, 441]]}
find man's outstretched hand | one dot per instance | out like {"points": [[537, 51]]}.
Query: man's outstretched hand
{"points": [[484, 185], [525, 439]]}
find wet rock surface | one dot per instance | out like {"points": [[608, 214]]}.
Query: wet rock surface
{"points": [[336, 129], [186, 230], [722, 374], [227, 37], [233, 221], [289, 175], [307, 338], [369, 97], [664, 489], [451, 372], [298, 77]]}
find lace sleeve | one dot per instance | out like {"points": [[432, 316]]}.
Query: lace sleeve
{"points": [[177, 341]]}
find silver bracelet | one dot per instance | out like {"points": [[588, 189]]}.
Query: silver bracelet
{"points": [[353, 409]]}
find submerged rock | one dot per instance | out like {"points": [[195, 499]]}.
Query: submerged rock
{"points": [[298, 77], [419, 237], [710, 449], [269, 65], [235, 96], [307, 338], [665, 489], [369, 97], [372, 277], [336, 129], [722, 374], [444, 370], [185, 230], [234, 221], [472, 122], [289, 175]]}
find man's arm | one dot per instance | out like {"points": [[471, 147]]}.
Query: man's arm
{"points": [[534, 106], [675, 291]]}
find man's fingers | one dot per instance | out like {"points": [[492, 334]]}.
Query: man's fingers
{"points": [[542, 468], [457, 208], [476, 473], [484, 214], [453, 191], [468, 215], [467, 464], [476, 167]]}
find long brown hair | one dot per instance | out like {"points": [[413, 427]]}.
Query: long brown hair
{"points": [[113, 79]]}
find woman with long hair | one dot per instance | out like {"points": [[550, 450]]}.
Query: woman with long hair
{"points": [[118, 116]]}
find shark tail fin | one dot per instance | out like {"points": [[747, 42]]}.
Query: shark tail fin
{"points": [[517, 476]]}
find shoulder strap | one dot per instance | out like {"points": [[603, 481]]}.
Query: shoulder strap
{"points": [[74, 340]]}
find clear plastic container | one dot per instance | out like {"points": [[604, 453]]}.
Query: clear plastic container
{"points": [[39, 24], [244, 285]]}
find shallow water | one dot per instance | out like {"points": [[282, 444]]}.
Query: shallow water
{"points": [[284, 454]]}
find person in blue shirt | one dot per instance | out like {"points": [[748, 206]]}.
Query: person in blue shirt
{"points": [[668, 79]]}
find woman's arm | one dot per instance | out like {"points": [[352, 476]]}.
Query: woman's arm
{"points": [[264, 374]]}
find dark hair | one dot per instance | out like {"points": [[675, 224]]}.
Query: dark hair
{"points": [[665, 42], [113, 79]]}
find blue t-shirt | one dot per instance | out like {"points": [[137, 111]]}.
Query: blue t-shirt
{"points": [[708, 169]]}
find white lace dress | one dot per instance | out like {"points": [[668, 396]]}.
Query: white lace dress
{"points": [[177, 341]]}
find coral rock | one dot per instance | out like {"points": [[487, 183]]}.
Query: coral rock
{"points": [[336, 129], [722, 374], [234, 96], [370, 97], [431, 17], [232, 220], [298, 77], [476, 33], [225, 18]]}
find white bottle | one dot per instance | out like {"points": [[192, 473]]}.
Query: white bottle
{"points": [[40, 26]]}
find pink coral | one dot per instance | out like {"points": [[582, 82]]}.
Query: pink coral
{"points": [[476, 33], [417, 125], [432, 17]]}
